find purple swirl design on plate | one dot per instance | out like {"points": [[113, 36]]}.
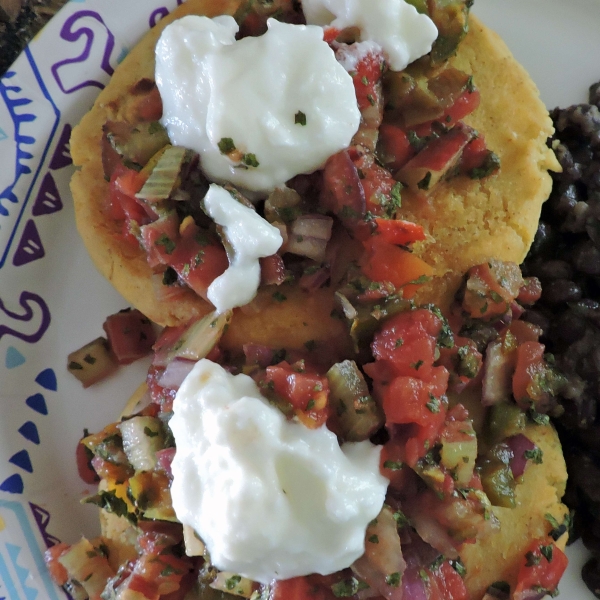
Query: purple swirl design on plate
{"points": [[34, 307], [160, 13], [71, 33]]}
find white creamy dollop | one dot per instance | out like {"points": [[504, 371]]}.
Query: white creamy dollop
{"points": [[270, 498], [281, 100], [251, 237], [395, 25]]}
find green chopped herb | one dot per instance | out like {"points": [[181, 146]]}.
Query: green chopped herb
{"points": [[547, 552], [399, 342], [310, 345], [75, 366], [89, 359], [392, 465], [424, 183], [532, 559], [226, 145], [149, 432], [300, 118], [310, 405], [166, 242], [396, 194], [470, 85], [374, 539], [434, 404], [538, 418], [232, 581], [365, 80], [371, 99], [279, 297], [348, 587], [459, 567], [400, 518], [417, 365], [536, 455], [250, 160], [393, 580]]}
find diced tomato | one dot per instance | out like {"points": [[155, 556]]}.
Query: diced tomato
{"points": [[406, 399], [299, 588], [491, 288], [394, 146], [272, 270], [446, 584], [408, 341], [149, 107], [124, 185], [198, 260], [530, 292], [384, 262], [342, 192], [377, 184], [130, 335], [366, 75], [160, 239], [84, 457], [57, 571], [465, 104], [473, 154], [534, 380], [399, 232], [543, 565], [307, 392], [330, 34], [436, 159]]}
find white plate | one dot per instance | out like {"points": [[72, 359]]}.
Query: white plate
{"points": [[51, 298]]}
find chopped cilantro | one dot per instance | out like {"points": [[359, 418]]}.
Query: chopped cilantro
{"points": [[392, 465], [149, 432], [374, 539], [226, 145], [250, 160], [300, 118], [393, 579], [536, 455], [166, 242], [232, 581], [279, 297]]}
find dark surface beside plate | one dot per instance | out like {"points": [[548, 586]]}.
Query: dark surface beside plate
{"points": [[21, 25]]}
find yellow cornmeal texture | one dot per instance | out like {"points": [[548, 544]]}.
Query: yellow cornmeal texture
{"points": [[472, 221], [468, 221], [499, 556]]}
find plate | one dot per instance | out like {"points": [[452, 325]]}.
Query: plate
{"points": [[53, 301]]}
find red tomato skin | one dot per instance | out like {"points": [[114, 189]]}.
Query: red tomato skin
{"points": [[530, 362], [57, 571], [399, 232], [545, 574], [384, 262], [450, 585], [298, 388], [395, 146], [406, 339], [298, 588], [365, 77], [83, 458], [130, 335]]}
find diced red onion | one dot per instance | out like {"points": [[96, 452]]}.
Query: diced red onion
{"points": [[164, 458], [315, 280], [413, 586], [519, 444], [517, 310], [497, 375], [257, 354], [315, 226], [177, 370]]}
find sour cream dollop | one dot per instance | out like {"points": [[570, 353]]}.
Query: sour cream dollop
{"points": [[403, 33], [251, 237], [270, 498], [281, 100]]}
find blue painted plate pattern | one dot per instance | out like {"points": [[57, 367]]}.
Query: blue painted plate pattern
{"points": [[52, 301], [42, 97]]}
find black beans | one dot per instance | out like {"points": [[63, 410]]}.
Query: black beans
{"points": [[561, 291], [565, 256]]}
